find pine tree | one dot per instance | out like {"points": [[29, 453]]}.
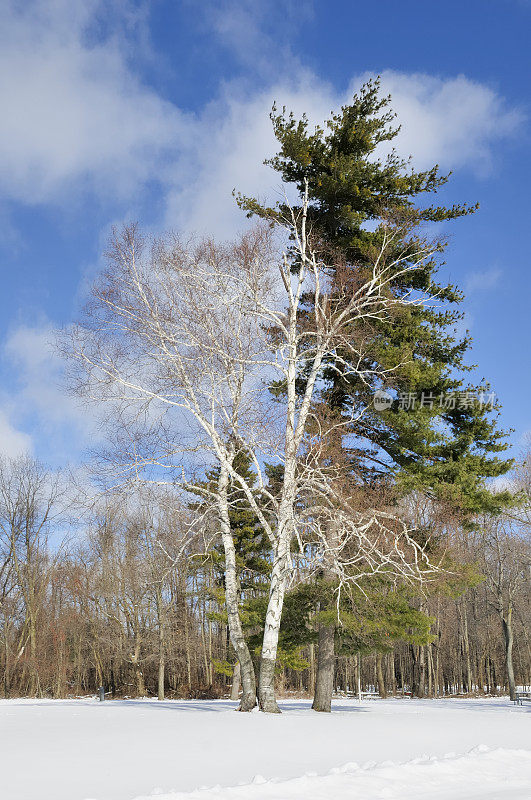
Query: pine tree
{"points": [[445, 447]]}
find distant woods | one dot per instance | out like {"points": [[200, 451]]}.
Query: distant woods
{"points": [[137, 605]]}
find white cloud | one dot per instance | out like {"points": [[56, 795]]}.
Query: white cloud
{"points": [[482, 281], [12, 441], [63, 425], [257, 34], [39, 369], [77, 116], [73, 112], [233, 137], [454, 122], [39, 399]]}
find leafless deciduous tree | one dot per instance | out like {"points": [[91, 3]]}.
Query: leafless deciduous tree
{"points": [[507, 564], [185, 340], [29, 500]]}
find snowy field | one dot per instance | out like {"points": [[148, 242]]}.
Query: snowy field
{"points": [[202, 750]]}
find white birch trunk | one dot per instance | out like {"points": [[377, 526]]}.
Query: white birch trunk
{"points": [[248, 700], [279, 578], [235, 688]]}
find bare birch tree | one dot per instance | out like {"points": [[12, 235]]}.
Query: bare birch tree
{"points": [[182, 334]]}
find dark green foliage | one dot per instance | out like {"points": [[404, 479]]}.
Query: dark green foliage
{"points": [[445, 449], [371, 617], [353, 194], [378, 618], [297, 629]]}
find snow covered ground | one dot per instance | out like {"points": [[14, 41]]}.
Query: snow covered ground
{"points": [[202, 750]]}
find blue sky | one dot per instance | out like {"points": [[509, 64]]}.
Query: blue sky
{"points": [[155, 111]]}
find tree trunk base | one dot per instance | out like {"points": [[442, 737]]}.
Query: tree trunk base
{"points": [[324, 708], [266, 691], [324, 683], [248, 681], [247, 702]]}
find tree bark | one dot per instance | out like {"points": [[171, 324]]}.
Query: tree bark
{"points": [[312, 676], [7, 686], [187, 645], [418, 669], [268, 659], [507, 624], [391, 672], [248, 700], [431, 671], [324, 682], [137, 669], [235, 688], [380, 676], [266, 690], [162, 648]]}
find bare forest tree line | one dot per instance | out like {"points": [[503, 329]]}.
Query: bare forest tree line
{"points": [[137, 605]]}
